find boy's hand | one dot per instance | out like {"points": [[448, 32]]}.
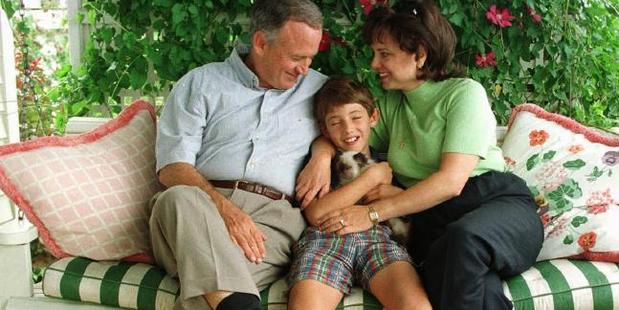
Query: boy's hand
{"points": [[382, 191], [380, 172]]}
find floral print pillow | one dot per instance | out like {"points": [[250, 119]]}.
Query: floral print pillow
{"points": [[573, 172]]}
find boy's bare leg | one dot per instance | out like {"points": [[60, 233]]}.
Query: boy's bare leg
{"points": [[398, 286], [313, 295]]}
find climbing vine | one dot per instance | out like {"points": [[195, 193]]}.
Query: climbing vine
{"points": [[561, 55]]}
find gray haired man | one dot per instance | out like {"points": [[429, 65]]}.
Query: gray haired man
{"points": [[231, 139]]}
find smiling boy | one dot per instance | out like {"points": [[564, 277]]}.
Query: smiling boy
{"points": [[327, 259]]}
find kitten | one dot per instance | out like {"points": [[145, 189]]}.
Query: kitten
{"points": [[350, 164]]}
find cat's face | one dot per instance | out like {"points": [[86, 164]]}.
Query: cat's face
{"points": [[348, 127], [349, 165]]}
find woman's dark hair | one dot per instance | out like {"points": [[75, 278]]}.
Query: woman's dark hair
{"points": [[415, 23]]}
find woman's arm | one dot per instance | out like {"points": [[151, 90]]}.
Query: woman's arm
{"points": [[440, 186], [350, 193], [446, 183]]}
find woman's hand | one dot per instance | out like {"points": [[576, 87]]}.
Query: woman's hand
{"points": [[345, 221], [382, 191]]}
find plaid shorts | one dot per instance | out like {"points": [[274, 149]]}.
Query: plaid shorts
{"points": [[339, 261]]}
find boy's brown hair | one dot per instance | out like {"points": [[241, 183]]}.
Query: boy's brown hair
{"points": [[340, 90]]}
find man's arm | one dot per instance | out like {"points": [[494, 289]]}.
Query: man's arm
{"points": [[350, 193], [242, 229], [315, 179]]}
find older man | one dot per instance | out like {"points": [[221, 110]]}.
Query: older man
{"points": [[231, 139]]}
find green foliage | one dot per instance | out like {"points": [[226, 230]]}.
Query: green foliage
{"points": [[567, 62], [38, 114]]}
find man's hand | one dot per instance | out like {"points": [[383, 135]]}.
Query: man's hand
{"points": [[243, 230], [314, 181]]}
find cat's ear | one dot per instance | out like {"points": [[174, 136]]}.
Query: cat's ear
{"points": [[374, 117], [360, 158]]}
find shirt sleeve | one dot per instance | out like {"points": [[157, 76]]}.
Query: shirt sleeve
{"points": [[180, 127], [470, 123]]}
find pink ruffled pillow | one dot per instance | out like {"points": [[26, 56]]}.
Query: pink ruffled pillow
{"points": [[88, 194], [573, 171]]}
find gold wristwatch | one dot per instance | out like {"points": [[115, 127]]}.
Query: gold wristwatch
{"points": [[373, 215]]}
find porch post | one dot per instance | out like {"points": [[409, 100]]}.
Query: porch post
{"points": [[78, 33], [15, 234]]}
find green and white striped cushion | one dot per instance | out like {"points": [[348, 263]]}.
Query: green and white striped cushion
{"points": [[563, 284], [142, 286], [557, 284]]}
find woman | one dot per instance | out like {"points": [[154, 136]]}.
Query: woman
{"points": [[473, 224]]}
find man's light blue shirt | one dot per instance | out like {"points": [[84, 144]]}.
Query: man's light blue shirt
{"points": [[218, 119]]}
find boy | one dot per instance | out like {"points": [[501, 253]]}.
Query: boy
{"points": [[328, 259]]}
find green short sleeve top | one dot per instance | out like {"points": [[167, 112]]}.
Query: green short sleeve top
{"points": [[417, 127]]}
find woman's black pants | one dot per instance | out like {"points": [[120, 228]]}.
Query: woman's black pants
{"points": [[463, 247]]}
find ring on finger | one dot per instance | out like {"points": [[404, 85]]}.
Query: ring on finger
{"points": [[342, 223]]}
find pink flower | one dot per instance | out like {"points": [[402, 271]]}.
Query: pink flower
{"points": [[509, 162], [576, 148], [485, 60], [500, 17], [368, 5], [325, 42], [599, 201], [587, 241], [534, 16], [550, 176]]}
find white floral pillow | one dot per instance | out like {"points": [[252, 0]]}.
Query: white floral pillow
{"points": [[87, 194], [573, 171]]}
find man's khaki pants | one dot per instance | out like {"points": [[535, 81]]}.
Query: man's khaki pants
{"points": [[191, 242]]}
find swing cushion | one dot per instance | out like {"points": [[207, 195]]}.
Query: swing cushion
{"points": [[87, 194], [556, 284]]}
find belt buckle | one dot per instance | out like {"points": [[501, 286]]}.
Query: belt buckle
{"points": [[236, 184]]}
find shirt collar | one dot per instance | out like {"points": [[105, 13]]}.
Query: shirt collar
{"points": [[246, 76]]}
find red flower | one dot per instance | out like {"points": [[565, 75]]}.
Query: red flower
{"points": [[545, 219], [33, 64], [486, 60], [368, 5], [500, 17], [325, 42], [534, 16], [537, 137], [587, 241]]}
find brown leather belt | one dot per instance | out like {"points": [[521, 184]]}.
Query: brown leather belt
{"points": [[252, 187]]}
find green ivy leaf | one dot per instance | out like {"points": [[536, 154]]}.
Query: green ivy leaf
{"points": [[574, 164], [532, 162], [568, 239], [579, 220], [549, 155]]}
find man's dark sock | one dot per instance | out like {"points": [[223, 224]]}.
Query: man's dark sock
{"points": [[239, 301]]}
